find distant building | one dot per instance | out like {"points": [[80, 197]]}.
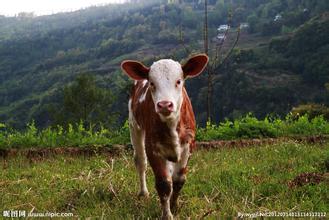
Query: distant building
{"points": [[223, 28], [134, 1], [26, 15], [244, 25], [221, 37], [277, 17], [175, 1]]}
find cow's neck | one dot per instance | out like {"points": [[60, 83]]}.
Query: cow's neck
{"points": [[168, 143]]}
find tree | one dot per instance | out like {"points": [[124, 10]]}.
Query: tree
{"points": [[217, 59], [84, 101]]}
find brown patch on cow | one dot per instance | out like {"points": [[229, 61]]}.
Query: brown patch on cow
{"points": [[195, 65], [136, 70], [163, 187], [177, 186], [183, 171]]}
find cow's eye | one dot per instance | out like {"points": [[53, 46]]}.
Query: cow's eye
{"points": [[152, 85], [178, 82]]}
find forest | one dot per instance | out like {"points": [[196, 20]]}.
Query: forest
{"points": [[276, 65]]}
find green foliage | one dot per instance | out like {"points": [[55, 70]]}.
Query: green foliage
{"points": [[77, 134], [85, 101], [312, 110], [122, 135], [305, 126], [251, 127], [82, 134]]}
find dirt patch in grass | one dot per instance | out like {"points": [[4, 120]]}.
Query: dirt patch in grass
{"points": [[265, 141], [308, 178], [40, 153]]}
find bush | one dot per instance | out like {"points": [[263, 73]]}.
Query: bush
{"points": [[74, 135], [242, 128], [312, 110], [246, 127], [251, 127]]}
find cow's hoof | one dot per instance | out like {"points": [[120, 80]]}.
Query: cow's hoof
{"points": [[174, 207], [167, 217], [143, 194]]}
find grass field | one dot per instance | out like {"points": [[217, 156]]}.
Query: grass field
{"points": [[220, 183]]}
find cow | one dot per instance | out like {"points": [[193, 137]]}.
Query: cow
{"points": [[162, 124]]}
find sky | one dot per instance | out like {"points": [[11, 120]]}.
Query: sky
{"points": [[43, 7]]}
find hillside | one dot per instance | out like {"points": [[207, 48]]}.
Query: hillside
{"points": [[267, 73]]}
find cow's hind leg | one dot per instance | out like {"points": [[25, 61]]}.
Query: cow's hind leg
{"points": [[179, 177], [137, 139]]}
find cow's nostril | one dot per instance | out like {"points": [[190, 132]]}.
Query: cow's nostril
{"points": [[170, 106], [165, 106]]}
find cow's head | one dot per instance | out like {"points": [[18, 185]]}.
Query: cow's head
{"points": [[166, 80]]}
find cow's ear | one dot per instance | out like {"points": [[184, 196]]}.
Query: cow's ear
{"points": [[195, 65], [134, 69]]}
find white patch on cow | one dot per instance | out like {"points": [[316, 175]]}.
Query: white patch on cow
{"points": [[165, 151], [143, 96], [137, 137], [170, 167], [185, 154], [144, 83], [164, 75], [174, 150], [131, 116], [131, 119], [172, 125]]}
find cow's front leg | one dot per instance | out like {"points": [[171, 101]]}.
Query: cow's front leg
{"points": [[137, 139], [163, 183], [179, 176]]}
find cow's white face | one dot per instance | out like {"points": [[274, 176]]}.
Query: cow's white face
{"points": [[166, 80]]}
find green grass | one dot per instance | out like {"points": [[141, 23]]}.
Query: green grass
{"points": [[220, 183]]}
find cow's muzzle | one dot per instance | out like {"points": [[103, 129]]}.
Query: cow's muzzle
{"points": [[165, 107]]}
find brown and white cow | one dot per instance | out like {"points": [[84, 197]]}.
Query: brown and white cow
{"points": [[162, 124]]}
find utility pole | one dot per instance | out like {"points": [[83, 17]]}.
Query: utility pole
{"points": [[206, 50]]}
